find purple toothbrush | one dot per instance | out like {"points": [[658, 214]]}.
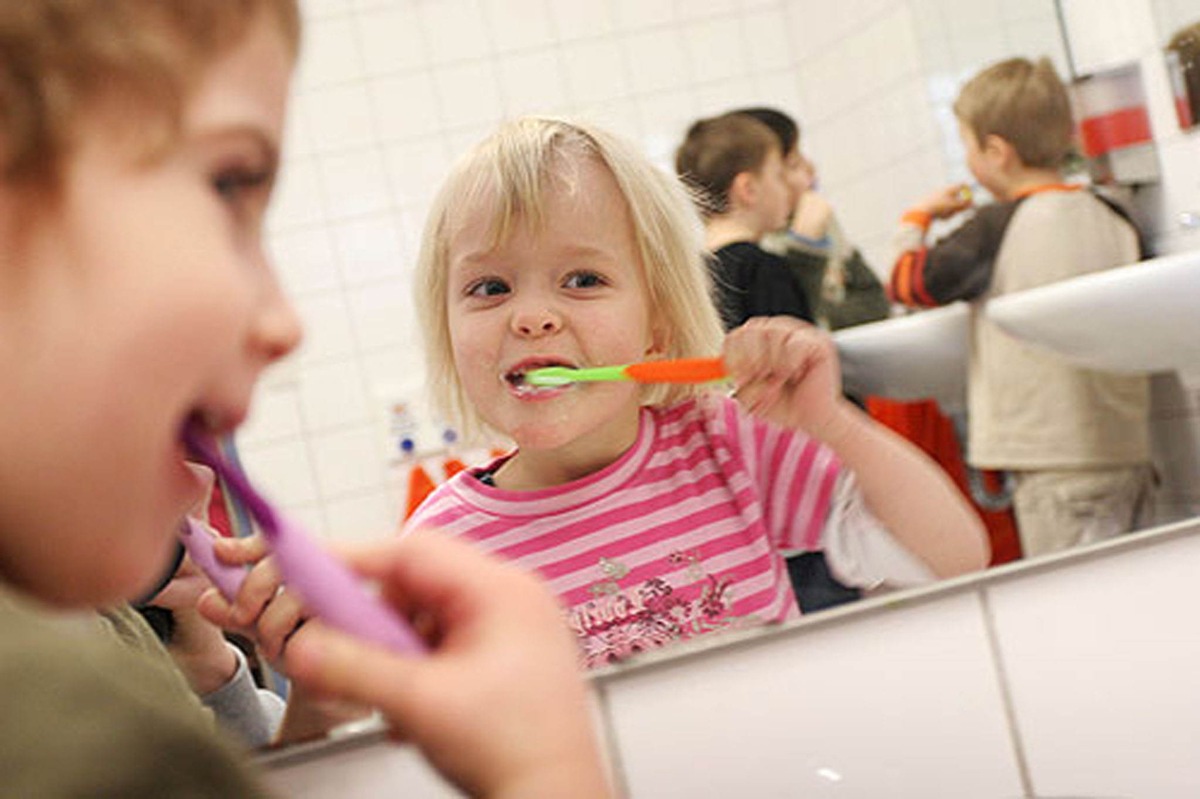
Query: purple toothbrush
{"points": [[330, 589]]}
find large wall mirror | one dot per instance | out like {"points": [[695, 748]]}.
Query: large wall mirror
{"points": [[392, 90]]}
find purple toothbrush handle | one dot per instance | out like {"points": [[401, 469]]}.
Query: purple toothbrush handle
{"points": [[198, 542], [335, 594]]}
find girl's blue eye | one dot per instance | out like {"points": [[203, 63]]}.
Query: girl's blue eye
{"points": [[488, 287], [583, 280]]}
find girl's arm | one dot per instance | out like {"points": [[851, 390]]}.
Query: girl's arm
{"points": [[786, 372]]}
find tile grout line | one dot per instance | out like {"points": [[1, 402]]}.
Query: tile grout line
{"points": [[1010, 715]]}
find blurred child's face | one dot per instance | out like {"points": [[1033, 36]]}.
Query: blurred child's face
{"points": [[776, 195], [142, 298], [980, 162], [800, 175], [572, 294]]}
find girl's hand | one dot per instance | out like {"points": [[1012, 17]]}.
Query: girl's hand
{"points": [[263, 611], [498, 705], [786, 371]]}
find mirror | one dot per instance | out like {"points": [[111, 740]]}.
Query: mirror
{"points": [[391, 91]]}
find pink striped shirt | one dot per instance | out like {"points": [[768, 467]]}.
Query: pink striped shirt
{"points": [[682, 535]]}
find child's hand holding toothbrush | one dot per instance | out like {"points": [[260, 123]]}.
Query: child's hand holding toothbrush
{"points": [[786, 371]]}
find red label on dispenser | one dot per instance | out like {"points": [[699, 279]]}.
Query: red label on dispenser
{"points": [[1113, 130]]}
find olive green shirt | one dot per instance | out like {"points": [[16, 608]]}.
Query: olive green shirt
{"points": [[85, 715]]}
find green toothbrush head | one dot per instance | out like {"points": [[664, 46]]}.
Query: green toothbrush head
{"points": [[550, 376]]}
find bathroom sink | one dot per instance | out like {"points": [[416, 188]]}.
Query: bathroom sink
{"points": [[919, 356], [1144, 317]]}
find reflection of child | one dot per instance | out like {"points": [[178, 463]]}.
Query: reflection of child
{"points": [[840, 287], [736, 166], [139, 145], [1075, 439], [656, 515]]}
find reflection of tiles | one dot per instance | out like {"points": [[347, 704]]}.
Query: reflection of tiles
{"points": [[1103, 669]]}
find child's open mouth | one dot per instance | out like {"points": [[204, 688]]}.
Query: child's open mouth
{"points": [[520, 387]]}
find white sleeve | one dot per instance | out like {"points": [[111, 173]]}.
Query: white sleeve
{"points": [[859, 549]]}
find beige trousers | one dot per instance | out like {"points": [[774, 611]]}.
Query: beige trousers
{"points": [[1059, 509]]}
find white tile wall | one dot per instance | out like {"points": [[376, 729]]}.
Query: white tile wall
{"points": [[391, 91]]}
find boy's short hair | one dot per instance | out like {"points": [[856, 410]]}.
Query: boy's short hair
{"points": [[1023, 102], [511, 172], [717, 150], [61, 59], [785, 127]]}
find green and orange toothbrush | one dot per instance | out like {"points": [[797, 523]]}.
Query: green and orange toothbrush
{"points": [[681, 370]]}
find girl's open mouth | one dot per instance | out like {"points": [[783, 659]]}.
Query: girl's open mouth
{"points": [[519, 387]]}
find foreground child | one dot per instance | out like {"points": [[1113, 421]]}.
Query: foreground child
{"points": [[139, 142], [656, 515]]}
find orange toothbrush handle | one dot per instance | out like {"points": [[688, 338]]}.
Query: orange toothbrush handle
{"points": [[682, 370]]}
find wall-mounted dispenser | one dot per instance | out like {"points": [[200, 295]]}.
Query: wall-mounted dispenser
{"points": [[1114, 126]]}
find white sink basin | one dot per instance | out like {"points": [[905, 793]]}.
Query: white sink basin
{"points": [[920, 356], [1144, 317]]}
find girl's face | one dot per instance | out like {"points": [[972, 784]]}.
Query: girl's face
{"points": [[571, 293], [141, 299]]}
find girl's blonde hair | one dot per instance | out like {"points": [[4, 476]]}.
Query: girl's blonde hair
{"points": [[514, 171], [62, 59]]}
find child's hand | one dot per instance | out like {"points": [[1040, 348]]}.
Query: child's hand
{"points": [[812, 217], [263, 610], [946, 202], [498, 705], [786, 371], [197, 646]]}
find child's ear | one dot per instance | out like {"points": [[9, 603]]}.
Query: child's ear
{"points": [[999, 150], [743, 190], [660, 339]]}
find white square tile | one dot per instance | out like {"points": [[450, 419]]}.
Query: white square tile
{"points": [[657, 61], [532, 83], [274, 415], [304, 260], [416, 169], [369, 249], [320, 9], [454, 30], [716, 49], [332, 395], [581, 20], [327, 331], [355, 183], [780, 90], [330, 54], [766, 35], [905, 703], [468, 94], [297, 197], [405, 106], [383, 314], [595, 71], [281, 470], [339, 118], [519, 24], [373, 516], [639, 14], [348, 461], [699, 9], [392, 41], [1105, 673]]}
